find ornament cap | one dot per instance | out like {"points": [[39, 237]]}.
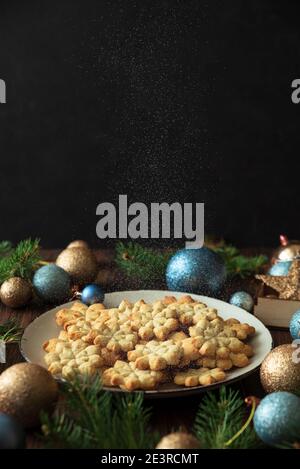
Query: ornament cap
{"points": [[284, 241]]}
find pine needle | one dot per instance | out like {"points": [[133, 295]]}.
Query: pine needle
{"points": [[219, 418], [93, 418], [90, 418], [239, 265], [11, 331], [21, 262], [139, 262]]}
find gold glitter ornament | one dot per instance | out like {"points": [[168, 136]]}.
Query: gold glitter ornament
{"points": [[25, 390], [178, 440], [15, 292], [287, 286], [80, 263], [78, 243], [280, 371], [287, 251]]}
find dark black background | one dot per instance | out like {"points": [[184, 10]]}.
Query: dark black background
{"points": [[161, 100]]}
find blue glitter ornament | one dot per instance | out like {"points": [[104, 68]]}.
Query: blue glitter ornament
{"points": [[280, 268], [295, 325], [243, 300], [277, 418], [92, 294], [52, 283], [196, 271], [12, 435]]}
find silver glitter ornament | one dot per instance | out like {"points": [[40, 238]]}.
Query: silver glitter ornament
{"points": [[196, 271], [243, 300]]}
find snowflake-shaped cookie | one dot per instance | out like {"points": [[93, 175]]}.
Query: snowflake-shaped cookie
{"points": [[128, 377], [201, 376], [156, 355]]}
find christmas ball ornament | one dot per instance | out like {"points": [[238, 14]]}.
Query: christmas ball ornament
{"points": [[277, 418], [92, 294], [25, 390], [178, 440], [295, 325], [15, 292], [52, 283], [12, 435], [280, 370], [243, 300], [80, 263], [280, 268], [287, 251], [78, 243], [196, 271]]}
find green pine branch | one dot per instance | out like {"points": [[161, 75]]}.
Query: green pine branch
{"points": [[21, 262], [239, 265], [11, 331], [90, 418], [150, 265], [93, 418], [219, 418], [139, 262]]}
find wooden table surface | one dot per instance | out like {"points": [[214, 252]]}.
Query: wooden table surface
{"points": [[168, 413]]}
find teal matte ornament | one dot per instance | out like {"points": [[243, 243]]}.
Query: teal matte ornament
{"points": [[52, 284]]}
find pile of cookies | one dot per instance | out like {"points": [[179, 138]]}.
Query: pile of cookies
{"points": [[142, 345]]}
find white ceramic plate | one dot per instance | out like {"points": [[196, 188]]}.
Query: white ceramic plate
{"points": [[44, 327]]}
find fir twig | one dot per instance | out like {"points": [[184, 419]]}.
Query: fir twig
{"points": [[5, 248], [239, 265], [139, 262], [11, 331], [93, 418], [90, 418], [21, 262], [219, 418]]}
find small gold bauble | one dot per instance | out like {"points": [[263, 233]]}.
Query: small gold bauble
{"points": [[15, 292], [25, 390], [78, 243], [280, 371], [178, 440], [80, 263], [287, 251]]}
